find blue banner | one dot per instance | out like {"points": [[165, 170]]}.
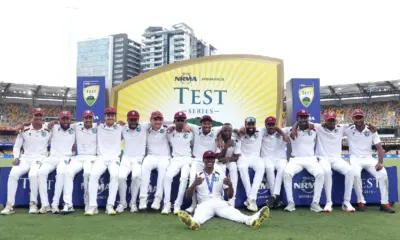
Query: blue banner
{"points": [[303, 189], [90, 95], [305, 95]]}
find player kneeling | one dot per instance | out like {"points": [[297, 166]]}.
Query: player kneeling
{"points": [[210, 197]]}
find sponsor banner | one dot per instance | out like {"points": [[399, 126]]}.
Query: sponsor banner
{"points": [[90, 95], [229, 88], [375, 156], [303, 189]]}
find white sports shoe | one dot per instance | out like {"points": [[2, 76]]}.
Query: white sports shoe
{"points": [[290, 207], [142, 204], [67, 209], [156, 204], [91, 211], [328, 207], [7, 210], [252, 205], [190, 209], [231, 202], [177, 210], [134, 208], [166, 209], [315, 207], [347, 207], [120, 208], [44, 209], [33, 209], [110, 210], [55, 209]]}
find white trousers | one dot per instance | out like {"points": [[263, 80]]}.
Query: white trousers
{"points": [[27, 164], [49, 164], [149, 164], [233, 172], [296, 165], [218, 207], [128, 165], [99, 167], [369, 163], [340, 165], [257, 164], [76, 165], [274, 182], [177, 164]]}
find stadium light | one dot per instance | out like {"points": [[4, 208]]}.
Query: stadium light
{"points": [[29, 92]]}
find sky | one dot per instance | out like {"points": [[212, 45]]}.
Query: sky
{"points": [[337, 41]]}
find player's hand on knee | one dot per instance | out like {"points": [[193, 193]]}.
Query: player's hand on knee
{"points": [[379, 166]]}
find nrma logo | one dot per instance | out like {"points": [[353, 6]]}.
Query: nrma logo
{"points": [[185, 78], [306, 185], [264, 187]]}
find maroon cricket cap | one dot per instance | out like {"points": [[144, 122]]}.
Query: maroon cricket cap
{"points": [[330, 115], [206, 118], [180, 115], [133, 114], [270, 120], [109, 110], [65, 114], [302, 112], [156, 114], [38, 111], [209, 154], [88, 113], [358, 112]]}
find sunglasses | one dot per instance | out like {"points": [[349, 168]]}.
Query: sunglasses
{"points": [[250, 119], [179, 120]]}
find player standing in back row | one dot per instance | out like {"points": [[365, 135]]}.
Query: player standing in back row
{"points": [[360, 140]]}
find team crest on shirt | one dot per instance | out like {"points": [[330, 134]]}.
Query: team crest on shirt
{"points": [[336, 130], [277, 135], [216, 179], [162, 131], [185, 135], [117, 162], [211, 134], [367, 133], [70, 131], [43, 134], [66, 161], [115, 126], [138, 129], [309, 133], [256, 135], [94, 130]]}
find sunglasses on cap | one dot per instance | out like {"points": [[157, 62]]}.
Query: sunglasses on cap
{"points": [[250, 119]]}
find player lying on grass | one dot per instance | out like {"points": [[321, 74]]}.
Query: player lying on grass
{"points": [[209, 188]]}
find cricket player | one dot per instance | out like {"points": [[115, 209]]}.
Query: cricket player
{"points": [[228, 156], [250, 158], [158, 156], [86, 143], [109, 137], [360, 140], [134, 135], [181, 143], [62, 141], [34, 139], [209, 188], [273, 153], [205, 138], [303, 156]]}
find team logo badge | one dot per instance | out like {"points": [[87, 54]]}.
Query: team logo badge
{"points": [[138, 129], [94, 130], [115, 126], [162, 131], [216, 179], [44, 134], [66, 161], [211, 134], [336, 130], [309, 133], [117, 162], [185, 135], [306, 94], [91, 91], [367, 133], [70, 131], [277, 135]]}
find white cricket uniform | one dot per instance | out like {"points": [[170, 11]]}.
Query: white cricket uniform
{"points": [[132, 158], [212, 204], [329, 149], [181, 143], [86, 144], [251, 148], [303, 156], [108, 157], [35, 144], [273, 153], [232, 166], [158, 155], [62, 142], [361, 158]]}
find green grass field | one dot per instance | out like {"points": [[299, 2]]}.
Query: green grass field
{"points": [[302, 224]]}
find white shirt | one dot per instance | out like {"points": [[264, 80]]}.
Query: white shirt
{"points": [[273, 145], [202, 191], [109, 140], [157, 142], [304, 144], [360, 143], [203, 143], [62, 141], [86, 139], [34, 142], [135, 140], [251, 145], [329, 143], [181, 143], [234, 149]]}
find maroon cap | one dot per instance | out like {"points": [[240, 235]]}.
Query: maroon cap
{"points": [[180, 115], [133, 114], [65, 114], [330, 115], [358, 112], [88, 113], [270, 120], [206, 118], [38, 110], [109, 110], [209, 154], [156, 114], [302, 112]]}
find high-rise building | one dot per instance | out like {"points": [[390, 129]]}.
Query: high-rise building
{"points": [[163, 46], [116, 57]]}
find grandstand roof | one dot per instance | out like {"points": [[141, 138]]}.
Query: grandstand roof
{"points": [[29, 91]]}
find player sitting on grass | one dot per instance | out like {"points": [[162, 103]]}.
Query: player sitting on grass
{"points": [[210, 197]]}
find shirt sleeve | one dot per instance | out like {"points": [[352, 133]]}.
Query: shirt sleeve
{"points": [[194, 128], [375, 138], [216, 130], [17, 146]]}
